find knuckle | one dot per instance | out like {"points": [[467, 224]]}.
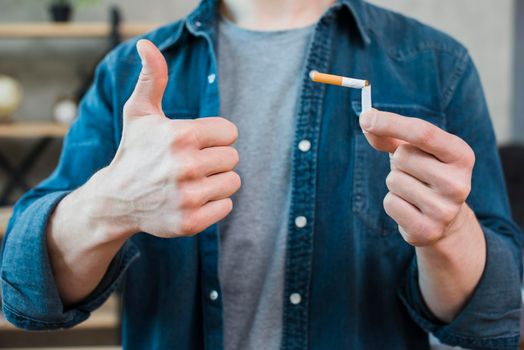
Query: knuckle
{"points": [[468, 157], [427, 134], [232, 127], [189, 198], [392, 180], [236, 181], [462, 191], [228, 205], [188, 169], [188, 225], [388, 203], [424, 233], [445, 213], [183, 135], [432, 234], [235, 155], [230, 156], [457, 188]]}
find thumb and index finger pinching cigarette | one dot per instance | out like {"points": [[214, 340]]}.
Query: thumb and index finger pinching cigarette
{"points": [[391, 130], [385, 144]]}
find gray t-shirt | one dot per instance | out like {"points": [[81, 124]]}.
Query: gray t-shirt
{"points": [[259, 76]]}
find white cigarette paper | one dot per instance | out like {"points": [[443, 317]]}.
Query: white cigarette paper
{"points": [[354, 83], [366, 99], [362, 85]]}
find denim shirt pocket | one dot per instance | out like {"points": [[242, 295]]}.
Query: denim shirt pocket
{"points": [[372, 167]]}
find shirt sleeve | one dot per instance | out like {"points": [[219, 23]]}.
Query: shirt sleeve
{"points": [[491, 317], [30, 295]]}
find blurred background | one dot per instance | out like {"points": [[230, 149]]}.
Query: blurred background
{"points": [[45, 66]]}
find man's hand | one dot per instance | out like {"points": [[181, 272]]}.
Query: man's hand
{"points": [[172, 177], [429, 182], [169, 178], [430, 176]]}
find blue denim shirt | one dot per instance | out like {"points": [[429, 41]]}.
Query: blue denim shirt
{"points": [[356, 276]]}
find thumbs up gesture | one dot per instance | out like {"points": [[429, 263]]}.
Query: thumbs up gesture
{"points": [[170, 178]]}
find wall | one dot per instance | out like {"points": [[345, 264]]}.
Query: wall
{"points": [[51, 68], [486, 29]]}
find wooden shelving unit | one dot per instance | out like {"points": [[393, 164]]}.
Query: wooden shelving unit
{"points": [[103, 327], [71, 30], [32, 130]]}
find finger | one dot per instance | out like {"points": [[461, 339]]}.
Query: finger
{"points": [[383, 144], [200, 219], [215, 131], [417, 132], [416, 229], [419, 164], [218, 159], [426, 200], [196, 193], [450, 181], [221, 186], [147, 97]]}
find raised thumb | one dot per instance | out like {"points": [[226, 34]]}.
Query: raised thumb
{"points": [[149, 90]]}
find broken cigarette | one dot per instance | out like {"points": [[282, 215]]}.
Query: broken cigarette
{"points": [[346, 82]]}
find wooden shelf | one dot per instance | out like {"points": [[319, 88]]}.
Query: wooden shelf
{"points": [[71, 30], [75, 348], [106, 317], [32, 130]]}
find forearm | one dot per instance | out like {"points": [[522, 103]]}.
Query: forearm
{"points": [[450, 269], [83, 235]]}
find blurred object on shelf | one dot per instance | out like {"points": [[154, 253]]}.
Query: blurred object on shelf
{"points": [[64, 111], [63, 10], [10, 97], [512, 156]]}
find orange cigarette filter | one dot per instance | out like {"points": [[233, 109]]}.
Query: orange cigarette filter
{"points": [[338, 80]]}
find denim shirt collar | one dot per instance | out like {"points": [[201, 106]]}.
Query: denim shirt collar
{"points": [[203, 17]]}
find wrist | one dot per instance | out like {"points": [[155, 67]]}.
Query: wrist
{"points": [[104, 215]]}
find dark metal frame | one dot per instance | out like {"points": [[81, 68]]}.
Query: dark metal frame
{"points": [[17, 173]]}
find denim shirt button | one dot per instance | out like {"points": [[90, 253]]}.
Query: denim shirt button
{"points": [[211, 78], [300, 221], [304, 145], [198, 24], [213, 295], [295, 298]]}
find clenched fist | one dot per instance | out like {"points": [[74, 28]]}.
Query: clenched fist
{"points": [[430, 176], [170, 178]]}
